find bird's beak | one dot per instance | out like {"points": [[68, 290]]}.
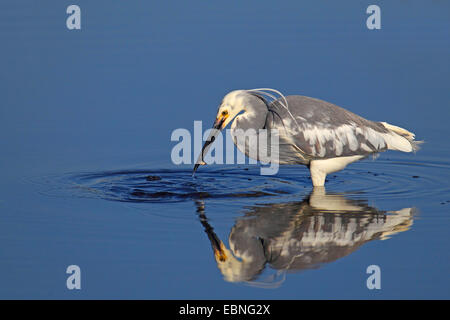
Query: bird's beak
{"points": [[219, 251], [216, 128]]}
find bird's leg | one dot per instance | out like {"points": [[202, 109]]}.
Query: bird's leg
{"points": [[317, 175], [321, 167]]}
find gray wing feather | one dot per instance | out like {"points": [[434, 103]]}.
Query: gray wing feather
{"points": [[317, 129]]}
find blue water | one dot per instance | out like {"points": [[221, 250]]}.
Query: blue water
{"points": [[86, 175]]}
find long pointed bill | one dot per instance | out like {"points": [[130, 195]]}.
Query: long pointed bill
{"points": [[216, 128], [216, 244]]}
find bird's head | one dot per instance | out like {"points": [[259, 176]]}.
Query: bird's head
{"points": [[233, 104]]}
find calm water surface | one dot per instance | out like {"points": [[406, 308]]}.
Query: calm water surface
{"points": [[86, 176]]}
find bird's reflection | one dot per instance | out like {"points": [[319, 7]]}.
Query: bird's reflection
{"points": [[295, 236]]}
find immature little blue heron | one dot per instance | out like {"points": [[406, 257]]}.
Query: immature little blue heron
{"points": [[312, 132]]}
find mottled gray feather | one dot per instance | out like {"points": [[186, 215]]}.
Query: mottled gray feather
{"points": [[322, 130]]}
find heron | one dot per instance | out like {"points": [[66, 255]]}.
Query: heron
{"points": [[312, 132]]}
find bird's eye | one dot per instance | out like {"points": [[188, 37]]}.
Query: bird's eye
{"points": [[224, 113]]}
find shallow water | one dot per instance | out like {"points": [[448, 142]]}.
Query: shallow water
{"points": [[267, 231], [393, 180], [86, 175]]}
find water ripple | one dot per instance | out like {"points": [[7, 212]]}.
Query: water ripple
{"points": [[381, 179]]}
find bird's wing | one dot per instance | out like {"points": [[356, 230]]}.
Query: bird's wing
{"points": [[322, 130]]}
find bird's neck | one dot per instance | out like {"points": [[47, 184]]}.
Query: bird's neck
{"points": [[250, 119], [254, 115]]}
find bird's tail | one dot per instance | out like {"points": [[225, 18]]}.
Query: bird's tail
{"points": [[402, 139]]}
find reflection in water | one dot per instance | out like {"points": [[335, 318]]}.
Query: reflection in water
{"points": [[285, 236], [296, 236]]}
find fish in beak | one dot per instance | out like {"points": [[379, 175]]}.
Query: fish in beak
{"points": [[216, 128]]}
